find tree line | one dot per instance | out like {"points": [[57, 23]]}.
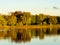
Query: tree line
{"points": [[19, 18]]}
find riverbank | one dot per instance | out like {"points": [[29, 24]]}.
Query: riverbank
{"points": [[32, 26]]}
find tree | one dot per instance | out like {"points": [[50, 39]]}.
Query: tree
{"points": [[27, 18], [58, 20], [41, 18], [53, 20], [18, 17], [33, 20], [3, 22], [12, 20]]}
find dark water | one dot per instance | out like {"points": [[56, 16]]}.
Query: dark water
{"points": [[42, 36]]}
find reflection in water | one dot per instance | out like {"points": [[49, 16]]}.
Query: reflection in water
{"points": [[58, 31], [25, 35], [4, 33]]}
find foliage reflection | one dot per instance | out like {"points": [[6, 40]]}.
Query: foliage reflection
{"points": [[25, 35]]}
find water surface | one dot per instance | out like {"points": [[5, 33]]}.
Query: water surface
{"points": [[44, 36]]}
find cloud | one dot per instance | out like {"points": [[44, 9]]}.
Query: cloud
{"points": [[56, 7]]}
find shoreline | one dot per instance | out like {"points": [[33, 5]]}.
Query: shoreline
{"points": [[32, 26]]}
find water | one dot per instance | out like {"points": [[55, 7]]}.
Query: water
{"points": [[50, 36]]}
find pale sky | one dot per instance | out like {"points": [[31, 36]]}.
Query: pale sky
{"points": [[51, 7]]}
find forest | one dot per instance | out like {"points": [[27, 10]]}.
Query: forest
{"points": [[19, 18]]}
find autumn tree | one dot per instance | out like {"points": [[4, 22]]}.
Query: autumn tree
{"points": [[19, 17], [53, 20], [41, 18], [27, 18], [58, 20], [3, 22], [33, 20], [12, 20]]}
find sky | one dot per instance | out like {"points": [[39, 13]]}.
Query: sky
{"points": [[50, 7]]}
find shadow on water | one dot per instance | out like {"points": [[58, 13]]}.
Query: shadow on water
{"points": [[25, 35]]}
